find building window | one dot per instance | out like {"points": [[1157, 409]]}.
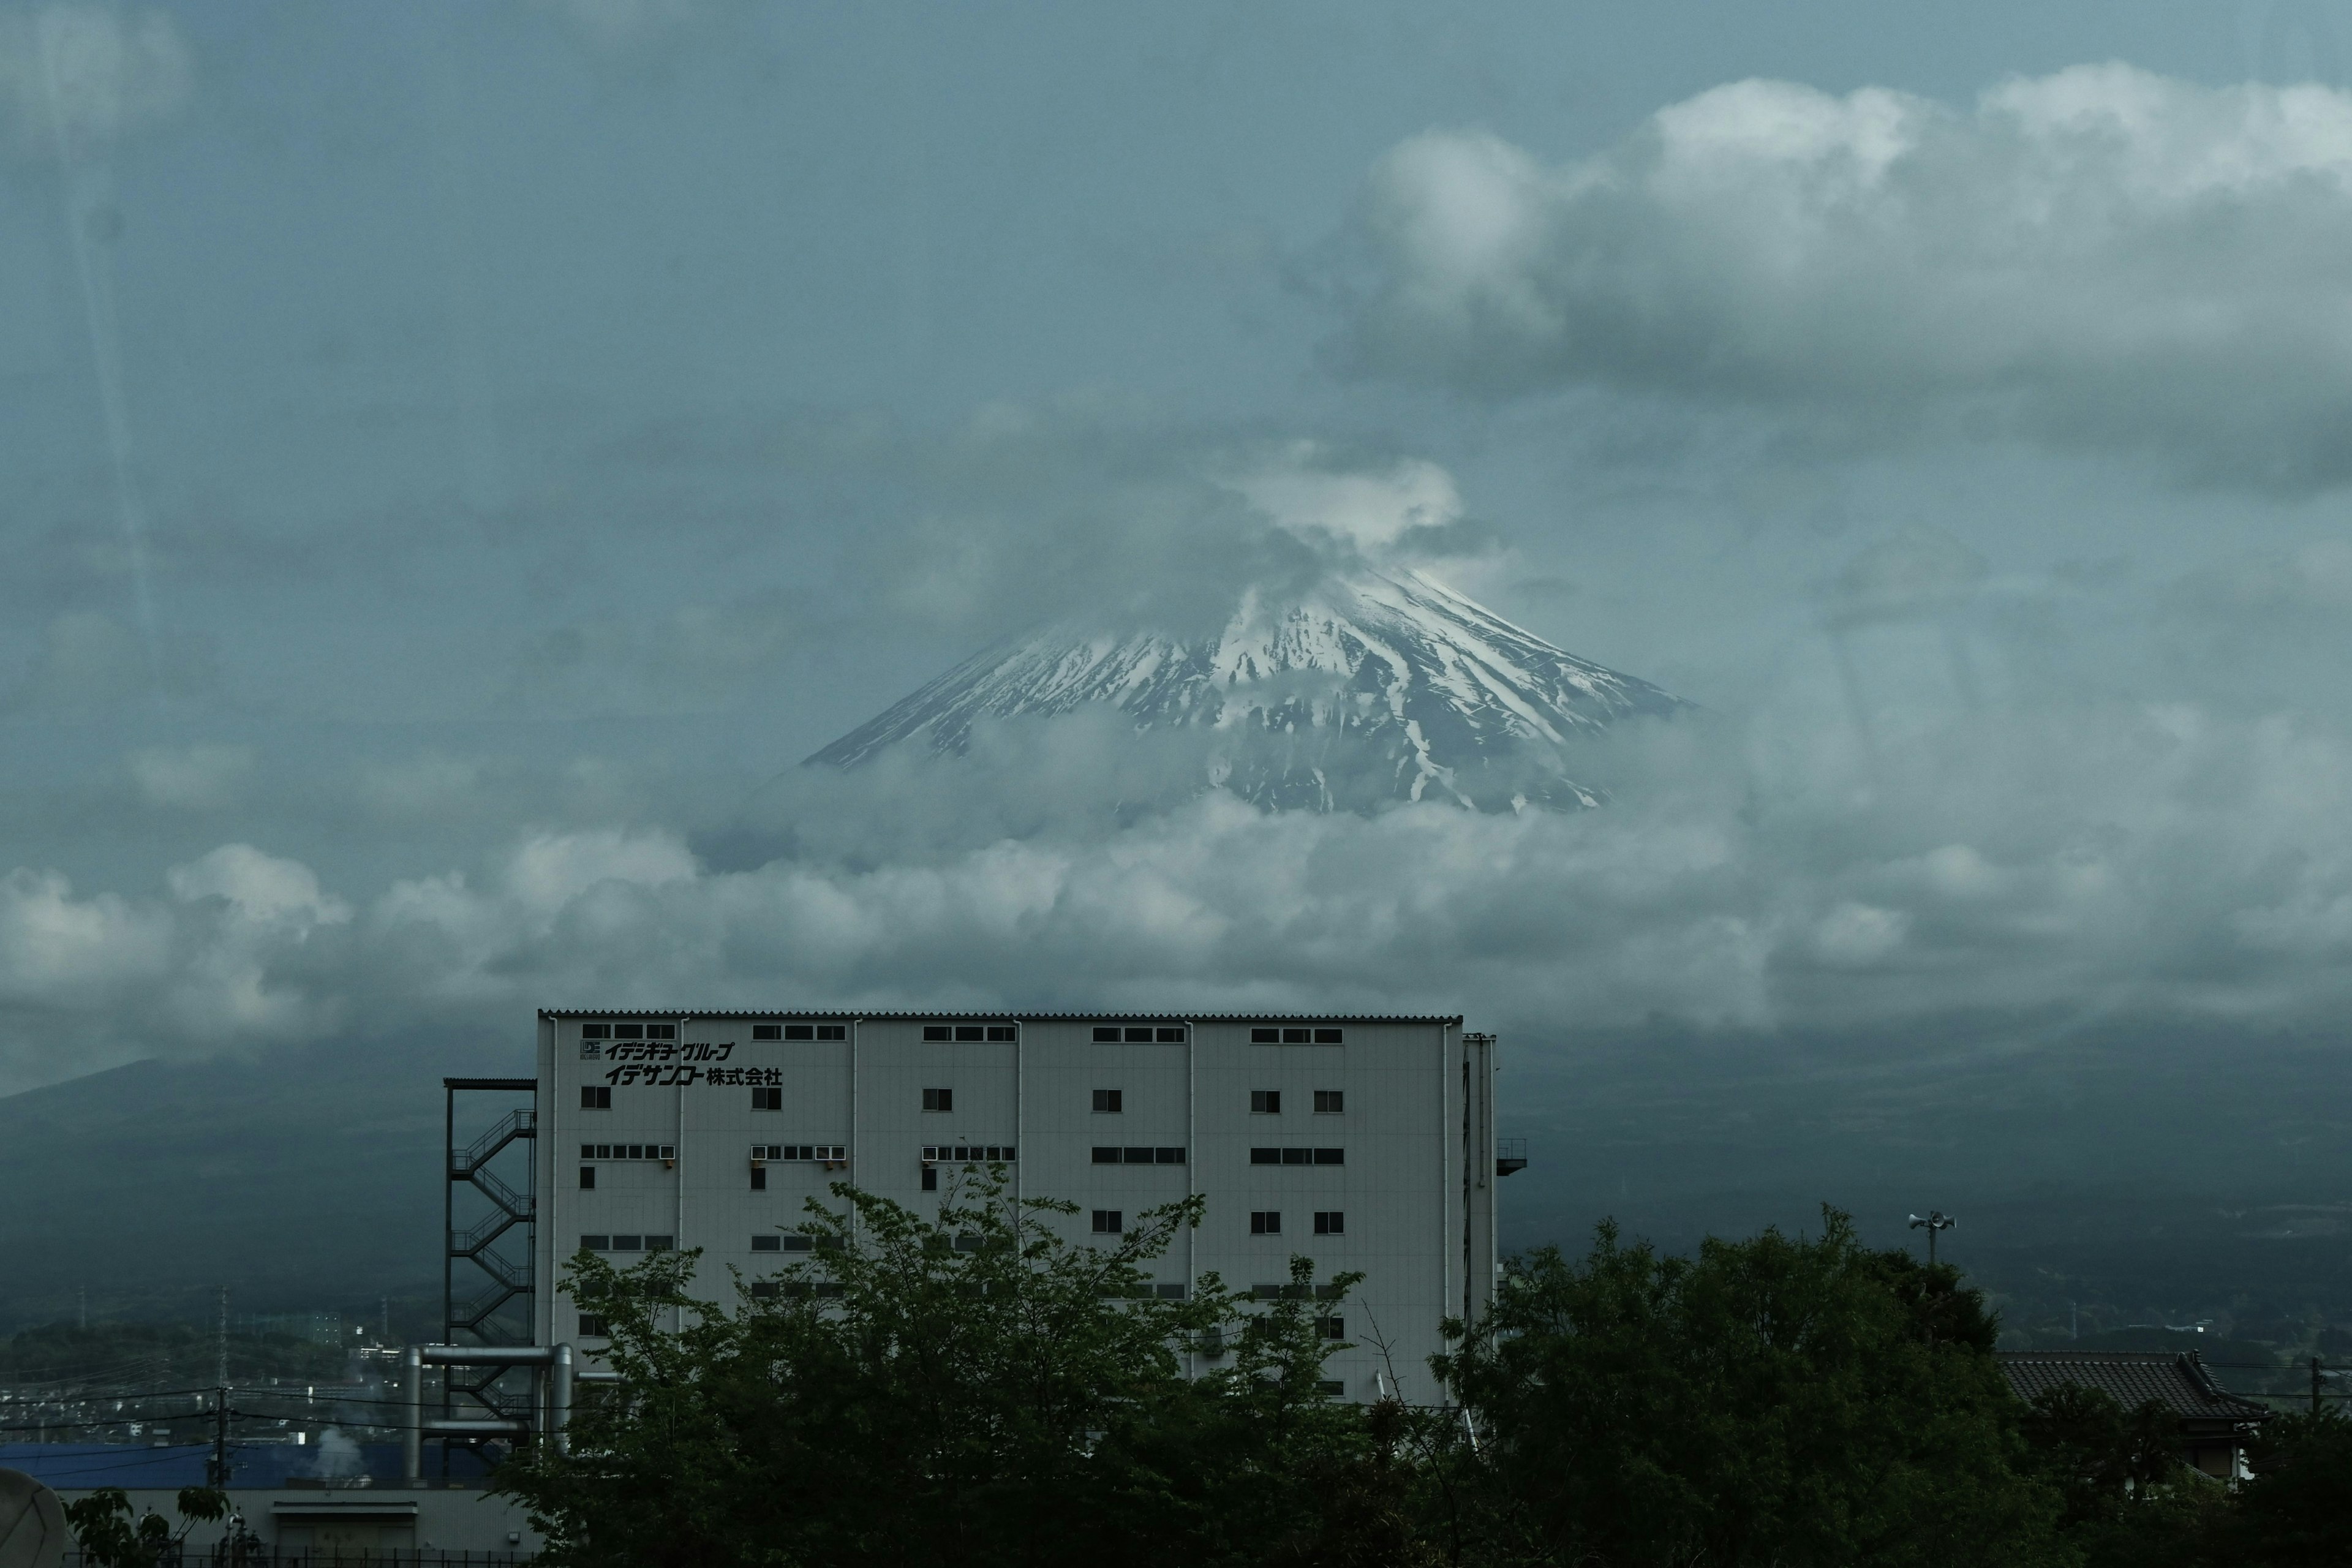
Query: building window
{"points": [[1265, 1037], [1331, 1102], [1327, 1037], [830, 1154], [1298, 1156], [1136, 1154], [759, 1178], [832, 1031], [660, 1243], [1332, 1389], [1170, 1290], [1265, 1102], [595, 1031], [587, 1178], [764, 1290], [1265, 1222], [939, 1100], [1333, 1327], [661, 1031], [931, 1178], [595, 1097], [591, 1326], [796, 1243], [1106, 1034], [1330, 1222], [972, 1034], [937, 1032], [1330, 1156], [971, 1152], [767, 1099], [1110, 1222], [1110, 1101], [595, 1244], [767, 1031], [628, 1244], [767, 1244], [628, 1031]]}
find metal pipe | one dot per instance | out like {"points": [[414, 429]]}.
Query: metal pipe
{"points": [[559, 1415], [486, 1355], [470, 1426], [412, 1409]]}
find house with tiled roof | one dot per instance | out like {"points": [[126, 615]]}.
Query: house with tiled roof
{"points": [[2213, 1425]]}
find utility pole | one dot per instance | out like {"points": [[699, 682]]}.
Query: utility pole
{"points": [[216, 1472], [1932, 1222]]}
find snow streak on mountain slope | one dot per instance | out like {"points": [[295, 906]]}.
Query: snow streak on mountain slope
{"points": [[1372, 689]]}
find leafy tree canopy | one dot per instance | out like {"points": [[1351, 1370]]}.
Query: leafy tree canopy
{"points": [[970, 1390], [1782, 1400]]}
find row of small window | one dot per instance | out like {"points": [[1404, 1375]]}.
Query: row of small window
{"points": [[1136, 1154], [1329, 1325], [1105, 1034], [1263, 1103], [1327, 1102], [628, 1243], [774, 1241], [831, 1153], [1268, 1221], [1298, 1156], [628, 1150], [1174, 1034], [969, 1151]]}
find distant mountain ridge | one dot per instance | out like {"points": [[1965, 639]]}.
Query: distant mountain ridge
{"points": [[1371, 689]]}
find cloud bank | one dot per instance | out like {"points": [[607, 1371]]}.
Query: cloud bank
{"points": [[2099, 260], [1984, 879]]}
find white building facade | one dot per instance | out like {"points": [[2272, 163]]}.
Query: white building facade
{"points": [[1365, 1144]]}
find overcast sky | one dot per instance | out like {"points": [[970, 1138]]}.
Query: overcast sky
{"points": [[459, 456]]}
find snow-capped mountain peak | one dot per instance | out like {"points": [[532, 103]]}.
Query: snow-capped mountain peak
{"points": [[1370, 688]]}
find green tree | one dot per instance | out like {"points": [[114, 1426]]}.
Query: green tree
{"points": [[2130, 1500], [111, 1538], [1780, 1400], [2296, 1510], [970, 1390]]}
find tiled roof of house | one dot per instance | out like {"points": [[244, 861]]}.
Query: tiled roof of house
{"points": [[2177, 1380]]}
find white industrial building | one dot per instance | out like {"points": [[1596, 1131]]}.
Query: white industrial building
{"points": [[1365, 1144]]}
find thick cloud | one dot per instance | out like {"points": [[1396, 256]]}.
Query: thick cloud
{"points": [[2099, 260], [1976, 878]]}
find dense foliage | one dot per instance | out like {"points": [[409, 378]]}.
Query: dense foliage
{"points": [[111, 1536], [973, 1390]]}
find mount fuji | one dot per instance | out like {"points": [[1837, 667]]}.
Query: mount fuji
{"points": [[1371, 689]]}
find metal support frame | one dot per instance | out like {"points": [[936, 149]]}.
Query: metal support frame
{"points": [[549, 1412], [476, 1317]]}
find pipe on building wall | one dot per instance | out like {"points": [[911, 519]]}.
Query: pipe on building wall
{"points": [[554, 1415], [412, 1411], [559, 1399]]}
